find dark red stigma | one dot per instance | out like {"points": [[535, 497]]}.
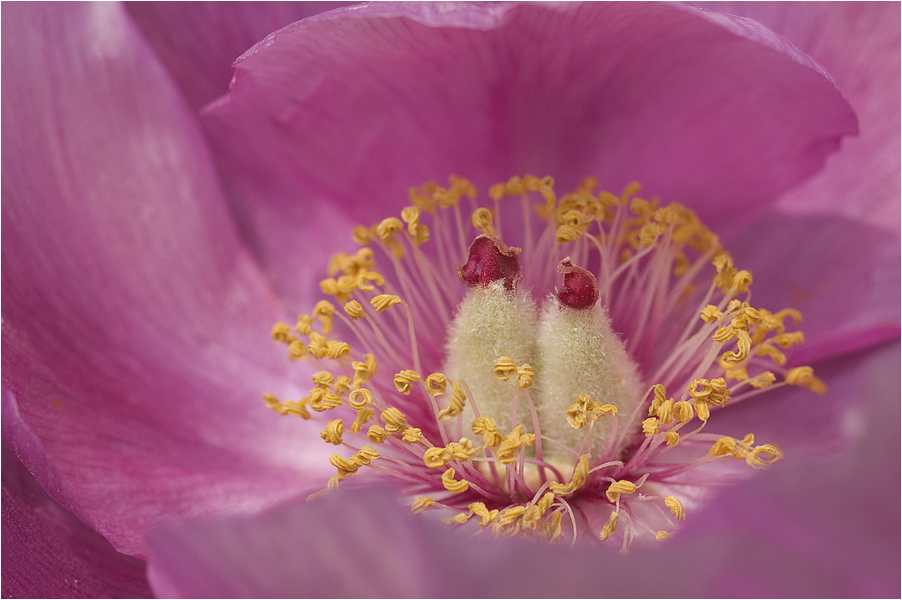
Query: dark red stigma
{"points": [[490, 260], [580, 286]]}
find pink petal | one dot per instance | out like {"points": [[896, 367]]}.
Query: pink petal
{"points": [[843, 275], [197, 42], [48, 553], [135, 322], [859, 44], [354, 106], [803, 529]]}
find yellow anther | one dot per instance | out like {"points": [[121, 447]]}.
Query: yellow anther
{"points": [[744, 346], [354, 310], [568, 233], [649, 233], [762, 380], [383, 301], [411, 216], [394, 419], [526, 376], [577, 480], [365, 280], [297, 349], [435, 458], [619, 487], [771, 455], [741, 281], [682, 411], [676, 507], [515, 186], [361, 235], [323, 399], [420, 504], [737, 373], [610, 526], [665, 412], [345, 466], [749, 439], [363, 417], [724, 333], [365, 455], [281, 333], [546, 501], [505, 368], [324, 311], [332, 432], [322, 379], [458, 401], [305, 322], [359, 398], [703, 410], [412, 435], [462, 450], [482, 218], [485, 515], [651, 426], [725, 446], [710, 313], [584, 411], [388, 227], [286, 408], [404, 379], [804, 376], [453, 486], [714, 391], [662, 535], [497, 191], [552, 530], [363, 371], [510, 515], [436, 384], [672, 438], [458, 519], [342, 385], [788, 340], [336, 349], [376, 434], [421, 235], [318, 345], [766, 349], [507, 451]]}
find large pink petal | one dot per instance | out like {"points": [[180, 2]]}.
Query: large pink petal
{"points": [[805, 529], [48, 553], [859, 44], [135, 324], [198, 41], [356, 105]]}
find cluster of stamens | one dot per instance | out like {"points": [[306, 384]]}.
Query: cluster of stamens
{"points": [[492, 441]]}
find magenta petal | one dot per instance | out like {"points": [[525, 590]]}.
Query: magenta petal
{"points": [[797, 531], [199, 41], [48, 553], [859, 44], [356, 105], [135, 323]]}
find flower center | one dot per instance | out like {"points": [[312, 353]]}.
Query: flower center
{"points": [[514, 390]]}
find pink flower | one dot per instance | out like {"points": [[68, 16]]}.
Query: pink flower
{"points": [[147, 253]]}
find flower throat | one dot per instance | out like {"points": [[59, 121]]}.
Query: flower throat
{"points": [[527, 390]]}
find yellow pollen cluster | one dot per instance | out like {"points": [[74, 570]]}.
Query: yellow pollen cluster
{"points": [[729, 353]]}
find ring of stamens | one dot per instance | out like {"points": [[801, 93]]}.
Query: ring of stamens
{"points": [[656, 254]]}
